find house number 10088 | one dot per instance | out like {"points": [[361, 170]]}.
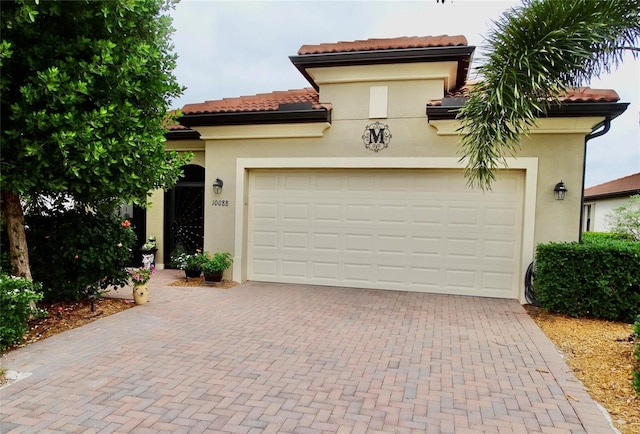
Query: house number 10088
{"points": [[220, 203]]}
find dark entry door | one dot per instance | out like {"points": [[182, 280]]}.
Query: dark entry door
{"points": [[184, 213]]}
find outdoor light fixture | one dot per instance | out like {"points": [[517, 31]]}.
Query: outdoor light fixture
{"points": [[217, 186], [560, 191]]}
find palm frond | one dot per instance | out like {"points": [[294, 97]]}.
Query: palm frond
{"points": [[533, 55]]}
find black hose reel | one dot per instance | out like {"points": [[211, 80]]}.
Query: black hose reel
{"points": [[529, 292]]}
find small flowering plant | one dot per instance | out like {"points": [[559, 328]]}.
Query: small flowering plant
{"points": [[186, 261], [140, 276]]}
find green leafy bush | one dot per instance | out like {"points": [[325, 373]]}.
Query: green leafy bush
{"points": [[17, 295], [77, 254], [594, 237], [625, 219], [636, 373], [598, 278], [216, 263]]}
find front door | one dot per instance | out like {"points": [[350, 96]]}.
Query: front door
{"points": [[184, 213]]}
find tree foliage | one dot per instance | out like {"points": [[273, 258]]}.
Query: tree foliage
{"points": [[625, 219], [78, 254], [85, 89], [534, 53], [85, 92]]}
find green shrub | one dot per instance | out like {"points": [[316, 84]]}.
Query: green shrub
{"points": [[625, 219], [77, 254], [636, 373], [594, 237], [599, 278], [17, 295]]}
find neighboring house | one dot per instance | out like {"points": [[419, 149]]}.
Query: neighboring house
{"points": [[356, 180], [601, 199]]}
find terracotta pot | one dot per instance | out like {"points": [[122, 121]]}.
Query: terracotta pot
{"points": [[140, 293]]}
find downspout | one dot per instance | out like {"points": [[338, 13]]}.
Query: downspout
{"points": [[605, 129]]}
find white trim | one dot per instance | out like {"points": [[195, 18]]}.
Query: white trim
{"points": [[575, 125], [528, 164], [378, 102], [446, 71]]}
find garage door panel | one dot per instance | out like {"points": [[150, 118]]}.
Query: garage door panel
{"points": [[293, 268], [326, 212], [359, 214], [295, 241], [295, 212], [415, 230], [357, 273], [462, 248], [265, 239], [426, 246], [328, 242], [432, 216], [463, 217], [392, 244]]}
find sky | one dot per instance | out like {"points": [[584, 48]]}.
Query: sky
{"points": [[234, 48]]}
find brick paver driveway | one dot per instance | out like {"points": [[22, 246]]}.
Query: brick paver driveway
{"points": [[289, 358]]}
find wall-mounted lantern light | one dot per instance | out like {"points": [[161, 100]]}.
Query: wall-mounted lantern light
{"points": [[217, 186], [560, 191]]}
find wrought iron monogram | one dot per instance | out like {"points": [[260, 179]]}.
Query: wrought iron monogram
{"points": [[376, 136]]}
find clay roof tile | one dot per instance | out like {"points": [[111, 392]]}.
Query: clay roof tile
{"points": [[575, 95], [385, 44], [622, 186], [260, 102]]}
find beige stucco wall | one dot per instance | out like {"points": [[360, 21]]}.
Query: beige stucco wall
{"points": [[556, 147]]}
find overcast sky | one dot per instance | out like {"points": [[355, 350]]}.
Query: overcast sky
{"points": [[234, 48]]}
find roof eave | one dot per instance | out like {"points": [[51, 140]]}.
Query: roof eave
{"points": [[576, 109], [255, 118], [182, 135], [461, 54], [612, 195]]}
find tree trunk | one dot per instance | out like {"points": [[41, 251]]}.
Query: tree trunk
{"points": [[14, 219]]}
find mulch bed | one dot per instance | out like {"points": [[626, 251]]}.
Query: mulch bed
{"points": [[199, 281], [600, 354]]}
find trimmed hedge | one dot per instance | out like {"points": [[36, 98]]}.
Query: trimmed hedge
{"points": [[599, 277], [595, 237]]}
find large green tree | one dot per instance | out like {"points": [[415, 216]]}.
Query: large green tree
{"points": [[534, 53], [85, 88]]}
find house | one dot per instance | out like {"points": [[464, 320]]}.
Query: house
{"points": [[355, 181], [601, 199]]}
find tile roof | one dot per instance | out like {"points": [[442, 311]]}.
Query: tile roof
{"points": [[576, 95], [627, 185], [176, 127], [258, 103], [385, 44]]}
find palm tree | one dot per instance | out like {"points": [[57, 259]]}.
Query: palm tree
{"points": [[535, 53]]}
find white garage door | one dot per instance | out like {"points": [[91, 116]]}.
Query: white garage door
{"points": [[409, 230]]}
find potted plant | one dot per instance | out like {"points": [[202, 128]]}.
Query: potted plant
{"points": [[148, 251], [190, 263], [213, 266], [139, 277]]}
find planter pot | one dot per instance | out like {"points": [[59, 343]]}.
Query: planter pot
{"points": [[192, 273], [213, 277], [148, 257], [140, 294]]}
